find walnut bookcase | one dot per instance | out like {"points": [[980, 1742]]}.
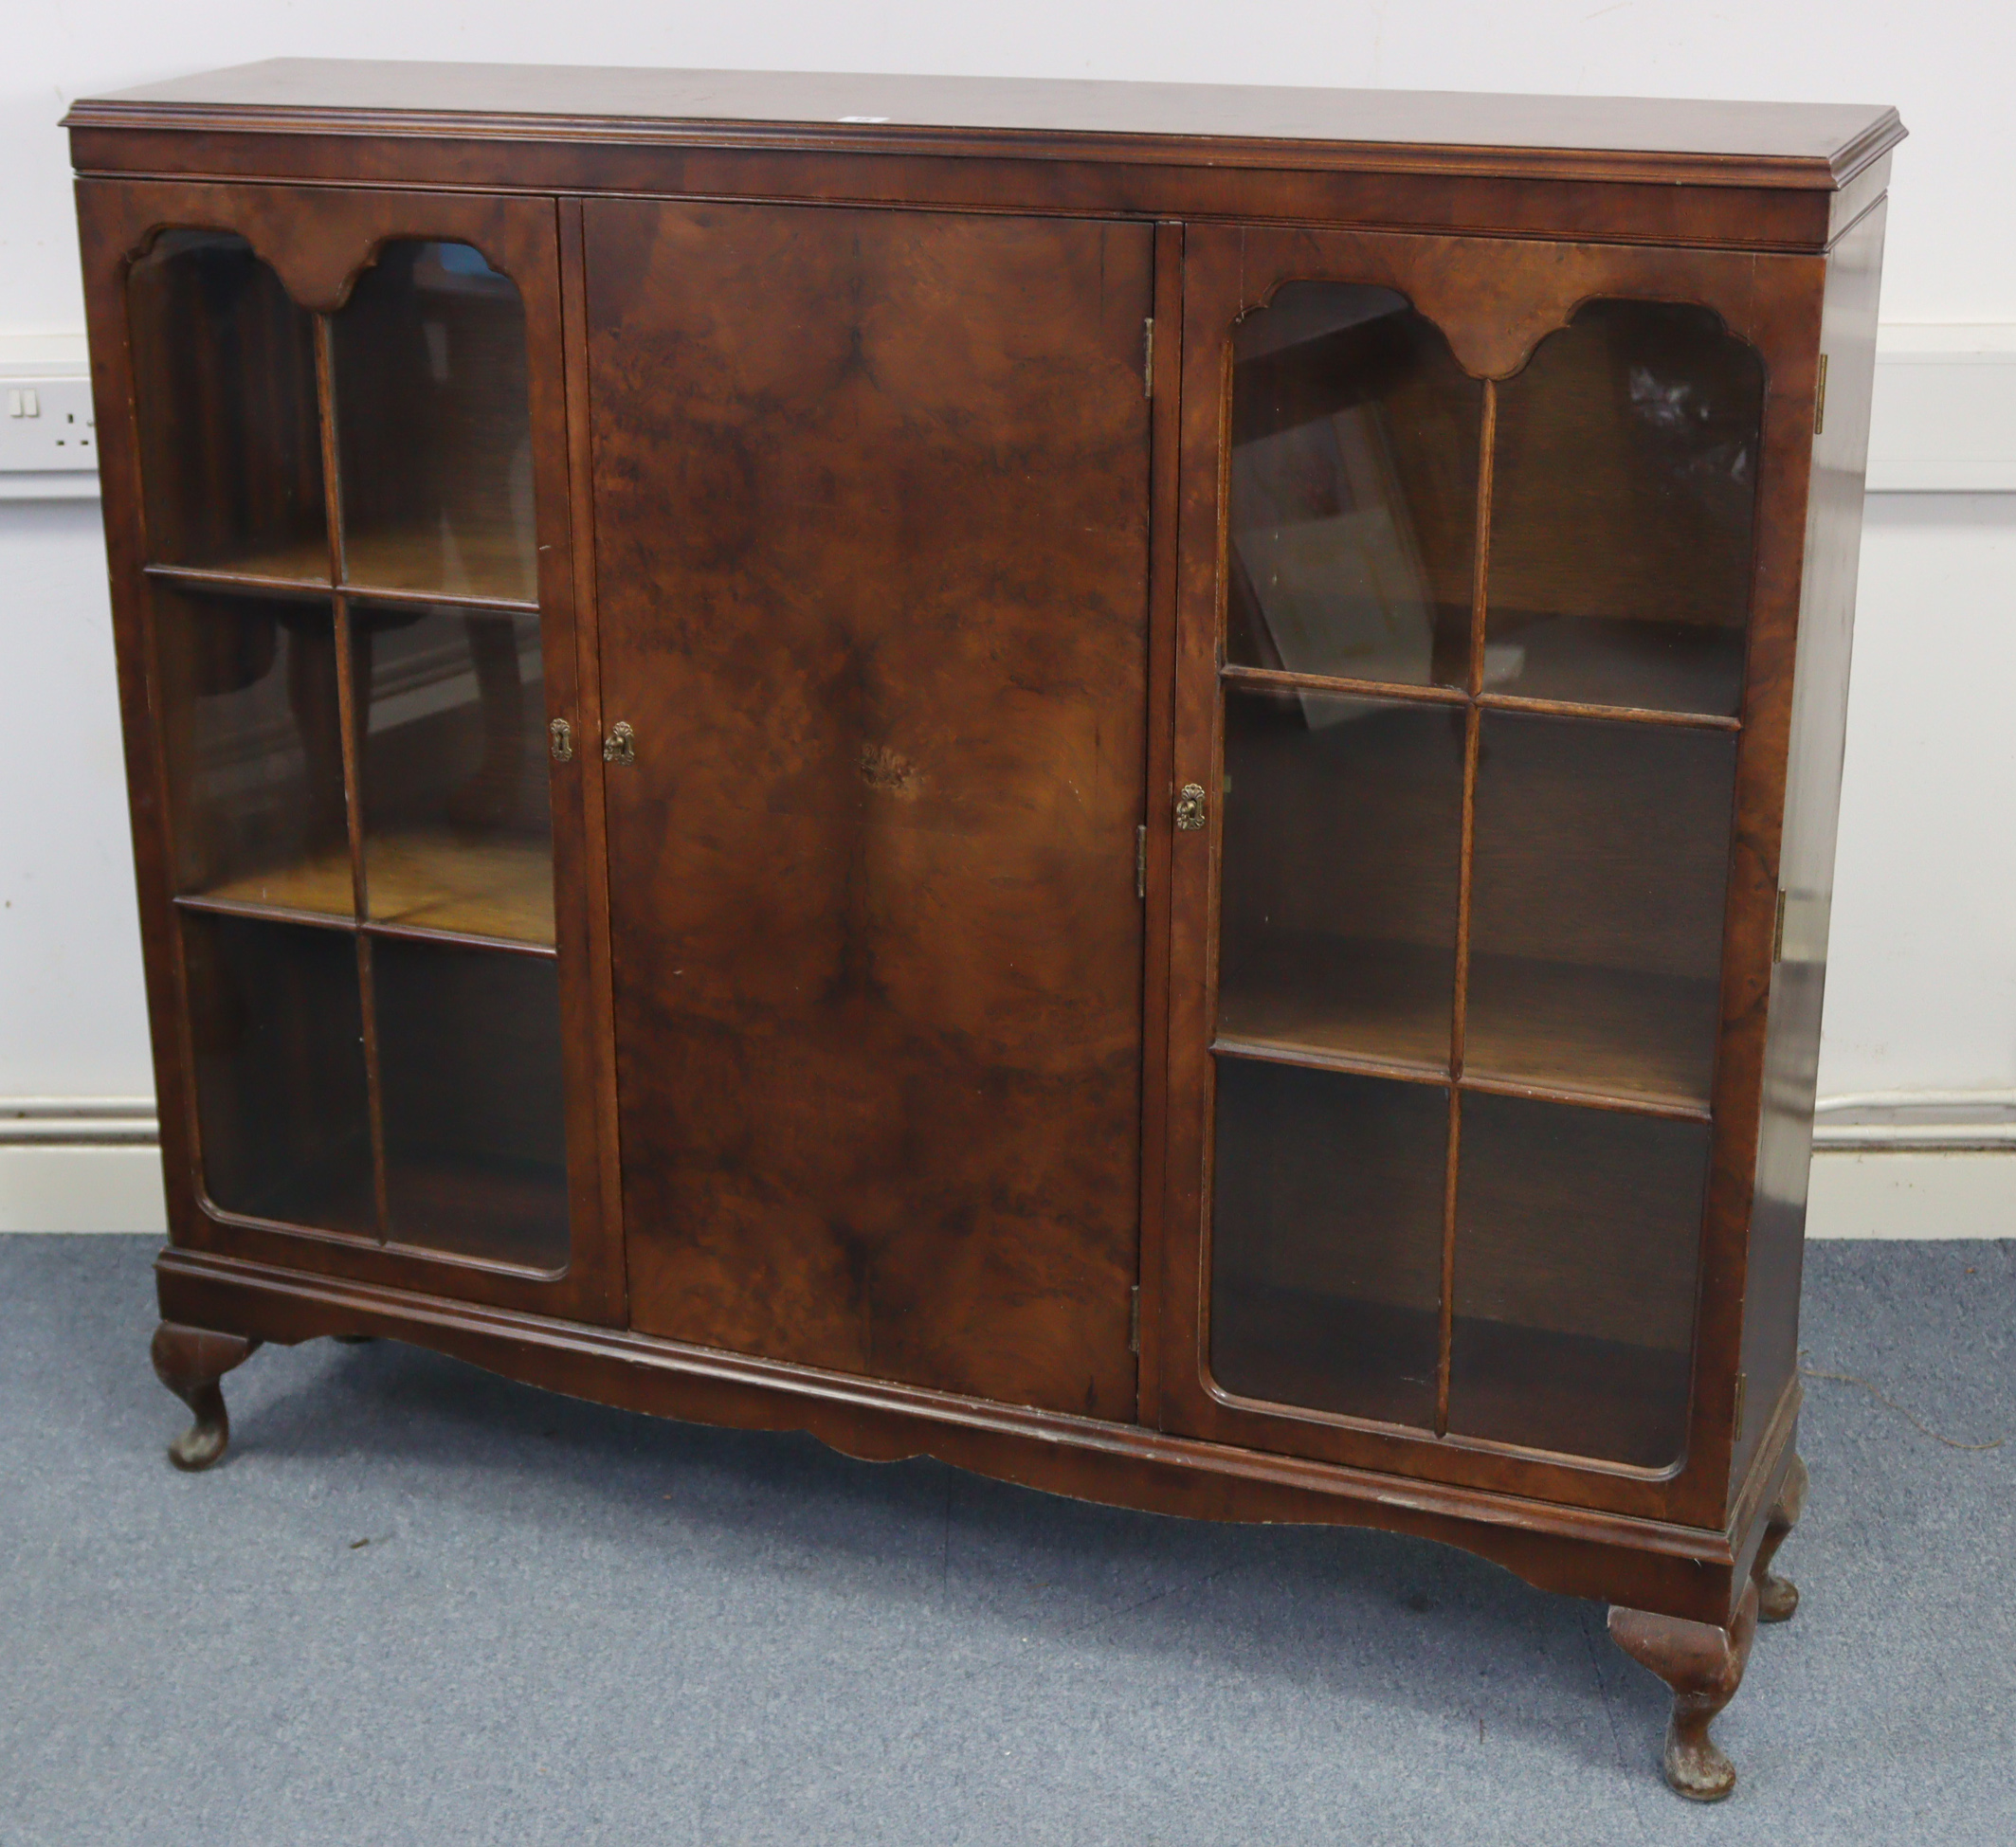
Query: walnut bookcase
{"points": [[1131, 785]]}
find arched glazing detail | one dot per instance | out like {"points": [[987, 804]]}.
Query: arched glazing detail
{"points": [[1352, 490], [1623, 508]]}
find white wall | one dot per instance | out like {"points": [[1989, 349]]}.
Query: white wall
{"points": [[1923, 993], [1947, 63]]}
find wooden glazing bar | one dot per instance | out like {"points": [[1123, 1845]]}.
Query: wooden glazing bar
{"points": [[406, 933], [348, 718], [241, 582], [1268, 1051], [1370, 689], [373, 1083], [1265, 1051], [1673, 1109], [238, 907], [509, 605], [1622, 715], [1458, 1012]]}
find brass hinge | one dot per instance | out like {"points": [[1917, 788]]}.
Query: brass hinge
{"points": [[1148, 357], [1133, 1319], [1742, 1384], [1820, 398], [1140, 861], [1778, 934]]}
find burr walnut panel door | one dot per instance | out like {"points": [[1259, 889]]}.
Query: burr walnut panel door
{"points": [[872, 514]]}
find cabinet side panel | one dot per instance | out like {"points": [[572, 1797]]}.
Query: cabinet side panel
{"points": [[1833, 543]]}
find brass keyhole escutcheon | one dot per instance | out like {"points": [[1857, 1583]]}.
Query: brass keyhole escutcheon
{"points": [[620, 746], [562, 735], [1191, 812]]}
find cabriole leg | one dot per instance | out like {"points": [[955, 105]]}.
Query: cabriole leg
{"points": [[190, 1362], [1705, 1667], [1777, 1598]]}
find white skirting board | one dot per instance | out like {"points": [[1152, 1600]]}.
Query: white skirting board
{"points": [[1857, 1193], [45, 1187]]}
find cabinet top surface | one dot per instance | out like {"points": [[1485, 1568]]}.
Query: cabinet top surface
{"points": [[1802, 144]]}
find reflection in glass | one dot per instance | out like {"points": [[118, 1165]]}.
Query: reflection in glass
{"points": [[253, 740], [470, 1073], [224, 390], [1353, 490], [1596, 935], [1577, 1239], [281, 1091], [1342, 842], [1326, 1240], [1624, 496], [458, 830], [434, 422]]}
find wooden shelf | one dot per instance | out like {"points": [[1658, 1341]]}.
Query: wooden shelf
{"points": [[1528, 1387], [1575, 1395], [482, 569], [462, 1208], [1669, 672], [1265, 679], [424, 882], [1613, 1037], [468, 563], [1609, 1035], [500, 889], [1383, 1005], [317, 890], [1371, 1360]]}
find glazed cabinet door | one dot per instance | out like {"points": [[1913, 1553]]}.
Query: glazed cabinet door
{"points": [[1490, 562], [336, 464], [871, 497]]}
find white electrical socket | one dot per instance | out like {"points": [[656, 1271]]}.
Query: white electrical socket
{"points": [[46, 426]]}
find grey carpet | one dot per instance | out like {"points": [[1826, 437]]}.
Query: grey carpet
{"points": [[574, 1626]]}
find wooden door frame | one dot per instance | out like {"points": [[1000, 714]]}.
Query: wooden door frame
{"points": [[317, 239], [1495, 298]]}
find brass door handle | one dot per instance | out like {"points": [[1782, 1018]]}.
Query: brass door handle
{"points": [[1190, 810], [620, 746]]}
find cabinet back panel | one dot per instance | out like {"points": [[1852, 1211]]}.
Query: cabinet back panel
{"points": [[872, 516]]}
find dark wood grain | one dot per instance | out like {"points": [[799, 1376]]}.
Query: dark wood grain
{"points": [[1165, 384], [1778, 1597], [315, 243], [1703, 1664], [872, 507], [1695, 1573], [190, 1362], [1496, 302], [877, 1073], [1812, 145], [1814, 746]]}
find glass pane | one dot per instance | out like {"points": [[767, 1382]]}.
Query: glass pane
{"points": [[1577, 1237], [457, 829], [224, 386], [1595, 940], [435, 425], [254, 744], [469, 1076], [1624, 492], [279, 1045], [1326, 1240], [1342, 841], [1353, 490]]}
